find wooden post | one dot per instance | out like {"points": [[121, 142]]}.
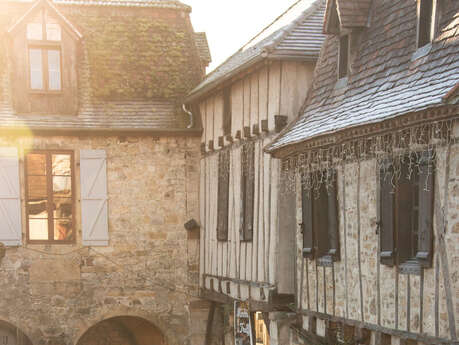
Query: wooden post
{"points": [[210, 321]]}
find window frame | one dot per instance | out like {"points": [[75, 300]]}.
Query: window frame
{"points": [[247, 191], [44, 45], [341, 68], [419, 23], [49, 192]]}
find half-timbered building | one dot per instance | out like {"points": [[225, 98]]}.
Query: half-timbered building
{"points": [[373, 164], [243, 104], [97, 173]]}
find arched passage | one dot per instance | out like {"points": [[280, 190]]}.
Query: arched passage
{"points": [[123, 330], [11, 335]]}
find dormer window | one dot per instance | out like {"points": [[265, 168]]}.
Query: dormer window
{"points": [[426, 21], [343, 56], [44, 54]]}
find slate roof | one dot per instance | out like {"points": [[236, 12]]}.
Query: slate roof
{"points": [[298, 33], [200, 39], [389, 76]]}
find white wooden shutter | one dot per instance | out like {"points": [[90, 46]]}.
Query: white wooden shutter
{"points": [[94, 210], [10, 201]]}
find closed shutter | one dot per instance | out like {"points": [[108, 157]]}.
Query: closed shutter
{"points": [[333, 230], [10, 201], [425, 220], [405, 213], [248, 189], [320, 220], [223, 195], [387, 215], [308, 234], [94, 210]]}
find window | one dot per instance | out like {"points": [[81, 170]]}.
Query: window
{"points": [[426, 21], [227, 114], [407, 210], [49, 197], [223, 195], [247, 190], [320, 218], [343, 56], [44, 55]]}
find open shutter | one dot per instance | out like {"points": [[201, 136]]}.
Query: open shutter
{"points": [[333, 230], [320, 220], [94, 211], [425, 220], [223, 195], [10, 201], [387, 215], [308, 234]]}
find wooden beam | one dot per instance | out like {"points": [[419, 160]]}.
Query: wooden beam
{"points": [[210, 321]]}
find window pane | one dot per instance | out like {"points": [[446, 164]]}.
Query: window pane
{"points": [[38, 229], [34, 31], [63, 230], [36, 164], [62, 208], [61, 165], [54, 69], [37, 188], [53, 32], [37, 208], [62, 186], [36, 69]]}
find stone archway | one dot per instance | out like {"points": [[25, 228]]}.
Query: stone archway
{"points": [[123, 330], [11, 335]]}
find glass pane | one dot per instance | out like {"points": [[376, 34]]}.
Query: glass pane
{"points": [[62, 186], [37, 187], [36, 164], [63, 230], [54, 69], [62, 208], [61, 165], [34, 31], [36, 69], [37, 208], [38, 229], [53, 32]]}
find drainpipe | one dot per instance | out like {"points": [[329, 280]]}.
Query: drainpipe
{"points": [[191, 125]]}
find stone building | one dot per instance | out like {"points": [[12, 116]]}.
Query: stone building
{"points": [[243, 104], [98, 173], [372, 165]]}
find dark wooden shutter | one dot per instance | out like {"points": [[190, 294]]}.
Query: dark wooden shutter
{"points": [[227, 113], [333, 229], [425, 220], [223, 195], [387, 191], [308, 234], [320, 220], [248, 190], [404, 214]]}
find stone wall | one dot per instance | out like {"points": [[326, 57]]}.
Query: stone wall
{"points": [[55, 293]]}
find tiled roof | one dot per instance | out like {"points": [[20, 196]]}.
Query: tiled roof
{"points": [[296, 33], [203, 47], [127, 3], [103, 116], [389, 76]]}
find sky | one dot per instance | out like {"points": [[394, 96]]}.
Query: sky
{"points": [[229, 24]]}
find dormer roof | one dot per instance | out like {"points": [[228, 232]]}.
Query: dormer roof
{"points": [[346, 14], [36, 7]]}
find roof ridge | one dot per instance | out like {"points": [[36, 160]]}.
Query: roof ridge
{"points": [[290, 27]]}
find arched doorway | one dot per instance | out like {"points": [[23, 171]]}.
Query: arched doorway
{"points": [[123, 330], [11, 335]]}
